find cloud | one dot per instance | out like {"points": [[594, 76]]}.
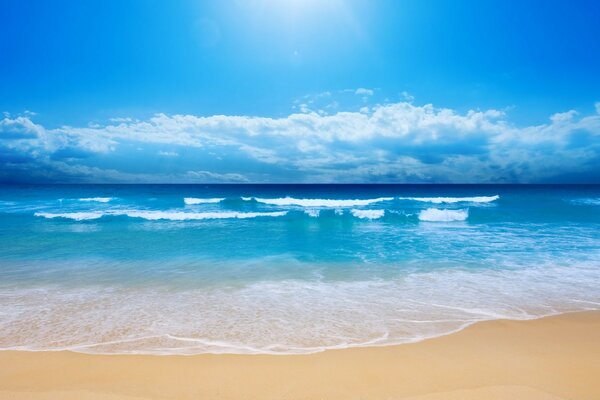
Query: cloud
{"points": [[212, 177], [363, 92], [396, 142], [168, 153], [563, 117]]}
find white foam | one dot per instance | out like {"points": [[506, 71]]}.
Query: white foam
{"points": [[161, 215], [97, 199], [78, 216], [286, 316], [437, 215], [336, 203], [312, 212], [587, 201], [193, 200], [440, 200], [367, 214], [185, 216]]}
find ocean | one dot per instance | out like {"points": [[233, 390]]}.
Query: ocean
{"points": [[286, 269]]}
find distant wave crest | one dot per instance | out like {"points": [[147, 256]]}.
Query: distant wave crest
{"points": [[587, 201], [334, 203], [437, 215], [77, 216], [368, 214], [194, 200], [97, 199], [161, 215], [440, 200]]}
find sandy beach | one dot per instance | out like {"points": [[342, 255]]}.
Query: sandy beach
{"points": [[550, 358]]}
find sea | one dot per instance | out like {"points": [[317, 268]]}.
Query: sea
{"points": [[286, 269]]}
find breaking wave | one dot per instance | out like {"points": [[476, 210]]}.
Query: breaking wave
{"points": [[97, 199], [437, 215], [368, 214], [440, 200], [193, 200], [160, 215], [335, 203]]}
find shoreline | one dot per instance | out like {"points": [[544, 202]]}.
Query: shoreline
{"points": [[305, 352], [549, 358]]}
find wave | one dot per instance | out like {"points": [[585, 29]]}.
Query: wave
{"points": [[290, 201], [298, 316], [311, 212], [97, 199], [193, 200], [440, 200], [587, 201], [437, 215], [368, 214], [160, 215], [77, 216]]}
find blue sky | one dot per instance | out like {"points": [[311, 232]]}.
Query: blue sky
{"points": [[299, 91]]}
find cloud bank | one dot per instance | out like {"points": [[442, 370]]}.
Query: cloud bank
{"points": [[398, 142]]}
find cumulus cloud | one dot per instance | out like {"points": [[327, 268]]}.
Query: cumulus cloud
{"points": [[363, 92], [563, 117], [398, 142]]}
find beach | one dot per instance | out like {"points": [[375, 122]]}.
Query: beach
{"points": [[556, 357]]}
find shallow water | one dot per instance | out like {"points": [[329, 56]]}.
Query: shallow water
{"points": [[286, 268]]}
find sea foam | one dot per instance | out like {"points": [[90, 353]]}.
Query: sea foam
{"points": [[77, 216], [440, 200], [437, 215], [152, 215], [311, 212], [296, 316], [587, 201], [335, 203], [367, 214], [97, 199], [193, 200]]}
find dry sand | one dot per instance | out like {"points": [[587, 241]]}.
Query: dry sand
{"points": [[550, 358]]}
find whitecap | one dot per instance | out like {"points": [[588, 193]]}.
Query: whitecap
{"points": [[312, 212], [77, 216], [440, 200], [186, 216], [290, 201], [587, 201], [194, 200], [161, 215], [437, 215], [367, 214], [97, 199]]}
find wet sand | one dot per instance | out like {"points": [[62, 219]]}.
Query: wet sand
{"points": [[550, 358]]}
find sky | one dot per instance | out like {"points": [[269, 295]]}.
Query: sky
{"points": [[306, 91]]}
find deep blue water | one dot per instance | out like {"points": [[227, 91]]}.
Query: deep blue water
{"points": [[286, 268]]}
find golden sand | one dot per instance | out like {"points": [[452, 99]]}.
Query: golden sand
{"points": [[550, 358]]}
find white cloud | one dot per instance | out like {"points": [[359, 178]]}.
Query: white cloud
{"points": [[563, 117], [407, 96], [168, 153], [399, 142], [207, 176], [364, 92]]}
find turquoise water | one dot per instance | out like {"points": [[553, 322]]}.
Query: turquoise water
{"points": [[188, 269]]}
